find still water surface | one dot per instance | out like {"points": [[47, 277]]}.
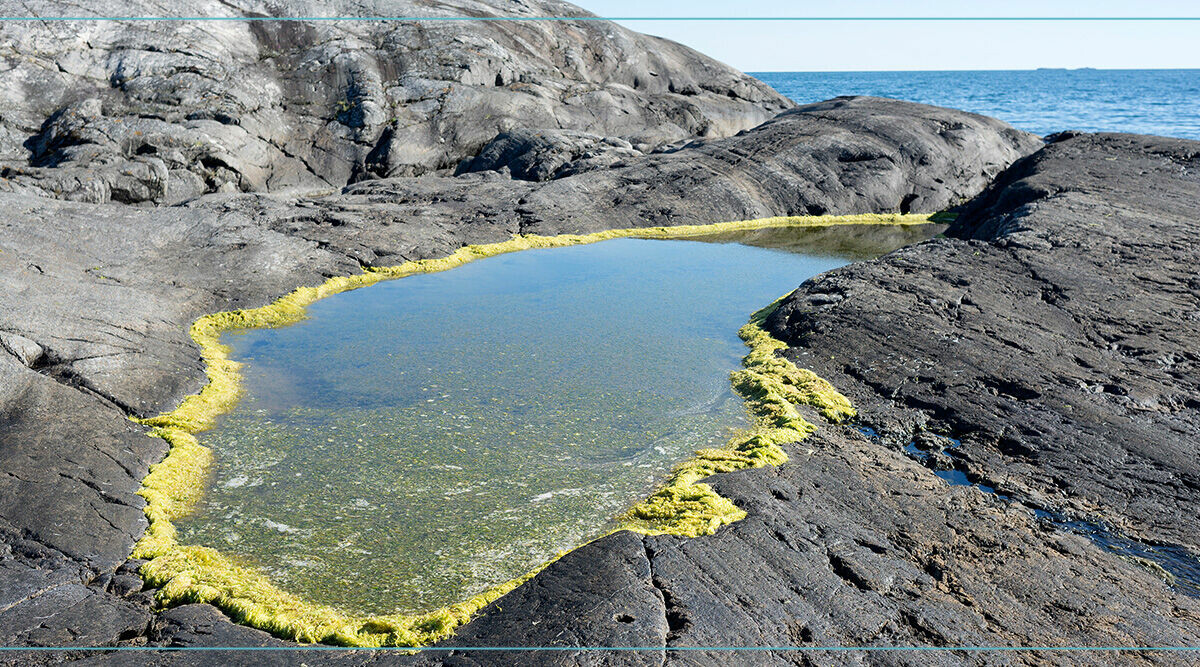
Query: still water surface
{"points": [[416, 442]]}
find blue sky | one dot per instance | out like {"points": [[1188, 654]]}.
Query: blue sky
{"points": [[834, 46]]}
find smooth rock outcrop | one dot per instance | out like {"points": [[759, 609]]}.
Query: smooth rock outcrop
{"points": [[540, 155], [156, 113], [850, 154], [1057, 334]]}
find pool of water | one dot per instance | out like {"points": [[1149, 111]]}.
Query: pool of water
{"points": [[419, 441]]}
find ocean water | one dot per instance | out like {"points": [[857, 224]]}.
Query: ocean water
{"points": [[418, 441], [1161, 102]]}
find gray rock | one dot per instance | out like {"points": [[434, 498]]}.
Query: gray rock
{"points": [[25, 350], [72, 615], [633, 615], [95, 111], [539, 155], [125, 585], [1071, 271], [1050, 334], [849, 155]]}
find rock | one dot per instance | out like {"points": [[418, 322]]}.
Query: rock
{"points": [[1071, 273], [72, 615], [25, 350], [854, 544], [130, 182], [125, 585], [540, 155], [633, 615], [1060, 352], [903, 159], [189, 627], [200, 624], [183, 185], [266, 106]]}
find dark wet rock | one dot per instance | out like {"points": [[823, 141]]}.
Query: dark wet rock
{"points": [[144, 112], [632, 615], [1055, 334]]}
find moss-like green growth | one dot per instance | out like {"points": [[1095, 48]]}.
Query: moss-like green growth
{"points": [[198, 574], [772, 387], [685, 506]]}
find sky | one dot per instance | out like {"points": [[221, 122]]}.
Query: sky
{"points": [[765, 46]]}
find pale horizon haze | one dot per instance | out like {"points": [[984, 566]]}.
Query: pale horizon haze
{"points": [[827, 46]]}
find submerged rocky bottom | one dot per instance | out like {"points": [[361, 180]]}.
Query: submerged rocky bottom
{"points": [[415, 443]]}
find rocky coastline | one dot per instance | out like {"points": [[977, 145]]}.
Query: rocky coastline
{"points": [[1051, 334]]}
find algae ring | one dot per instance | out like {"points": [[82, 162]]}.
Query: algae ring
{"points": [[770, 385]]}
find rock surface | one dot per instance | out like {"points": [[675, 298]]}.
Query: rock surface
{"points": [[851, 543], [852, 154], [540, 155], [1057, 334], [152, 112]]}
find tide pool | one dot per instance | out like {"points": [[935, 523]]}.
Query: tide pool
{"points": [[416, 442]]}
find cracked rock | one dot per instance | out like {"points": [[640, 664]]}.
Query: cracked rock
{"points": [[25, 350]]}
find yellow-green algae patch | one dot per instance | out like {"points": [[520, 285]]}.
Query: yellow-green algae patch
{"points": [[771, 385]]}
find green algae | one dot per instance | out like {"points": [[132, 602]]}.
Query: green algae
{"points": [[772, 386], [684, 506]]}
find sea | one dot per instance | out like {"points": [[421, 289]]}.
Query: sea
{"points": [[1161, 102]]}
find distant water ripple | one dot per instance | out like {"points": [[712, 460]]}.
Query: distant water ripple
{"points": [[1161, 102]]}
